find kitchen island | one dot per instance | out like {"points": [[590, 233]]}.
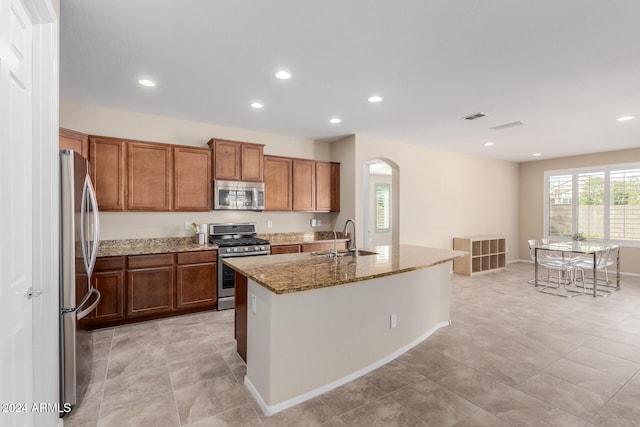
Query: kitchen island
{"points": [[313, 323]]}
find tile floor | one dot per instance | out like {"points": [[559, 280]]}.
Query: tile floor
{"points": [[512, 357]]}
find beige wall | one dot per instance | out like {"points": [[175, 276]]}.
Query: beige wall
{"points": [[445, 194], [531, 217], [125, 124]]}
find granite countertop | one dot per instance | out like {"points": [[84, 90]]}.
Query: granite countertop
{"points": [[161, 245], [288, 273], [158, 245]]}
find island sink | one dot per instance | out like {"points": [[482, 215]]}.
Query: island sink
{"points": [[341, 253]]}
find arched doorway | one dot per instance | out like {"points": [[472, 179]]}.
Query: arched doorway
{"points": [[381, 203]]}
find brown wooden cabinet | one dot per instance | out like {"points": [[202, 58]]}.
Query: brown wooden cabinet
{"points": [[76, 141], [107, 158], [192, 179], [150, 284], [149, 176], [304, 185], [237, 161], [277, 183], [327, 187], [108, 279], [323, 246], [196, 279], [285, 249], [141, 287]]}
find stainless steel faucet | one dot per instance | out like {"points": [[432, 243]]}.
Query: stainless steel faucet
{"points": [[334, 252], [352, 242]]}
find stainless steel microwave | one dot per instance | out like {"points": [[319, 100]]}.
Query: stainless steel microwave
{"points": [[237, 195]]}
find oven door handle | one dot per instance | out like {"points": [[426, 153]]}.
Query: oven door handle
{"points": [[237, 255]]}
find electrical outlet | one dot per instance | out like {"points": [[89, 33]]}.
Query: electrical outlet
{"points": [[269, 223], [187, 225], [314, 222], [393, 321], [254, 304], [319, 223]]}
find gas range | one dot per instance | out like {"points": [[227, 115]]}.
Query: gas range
{"points": [[234, 240], [237, 239]]}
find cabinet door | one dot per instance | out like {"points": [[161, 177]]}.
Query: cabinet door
{"points": [[150, 291], [327, 187], [252, 162], [110, 284], [277, 183], [107, 159], [324, 246], [192, 179], [304, 185], [227, 157], [108, 278], [76, 141], [285, 249], [196, 285], [149, 176]]}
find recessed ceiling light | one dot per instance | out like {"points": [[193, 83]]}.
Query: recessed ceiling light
{"points": [[146, 82], [536, 154], [283, 75], [375, 98], [334, 120], [256, 105], [625, 118], [488, 144]]}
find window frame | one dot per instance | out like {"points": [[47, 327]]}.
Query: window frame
{"points": [[575, 172], [387, 186]]}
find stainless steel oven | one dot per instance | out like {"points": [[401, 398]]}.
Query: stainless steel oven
{"points": [[234, 240]]}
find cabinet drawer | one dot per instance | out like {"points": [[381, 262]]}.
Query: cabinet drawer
{"points": [[109, 263], [285, 249], [197, 257], [145, 261]]}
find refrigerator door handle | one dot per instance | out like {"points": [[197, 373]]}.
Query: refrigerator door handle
{"points": [[89, 248], [83, 313]]}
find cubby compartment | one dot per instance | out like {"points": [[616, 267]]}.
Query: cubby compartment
{"points": [[484, 254]]}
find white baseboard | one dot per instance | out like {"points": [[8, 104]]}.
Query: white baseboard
{"points": [[269, 410]]}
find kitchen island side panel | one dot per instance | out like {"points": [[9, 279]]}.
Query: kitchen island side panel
{"points": [[301, 343]]}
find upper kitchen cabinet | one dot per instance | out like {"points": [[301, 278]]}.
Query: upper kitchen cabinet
{"points": [[277, 183], [107, 158], [304, 185], [237, 161], [76, 141], [327, 187], [192, 179], [149, 176]]}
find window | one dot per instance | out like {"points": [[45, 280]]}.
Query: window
{"points": [[383, 198], [602, 203]]}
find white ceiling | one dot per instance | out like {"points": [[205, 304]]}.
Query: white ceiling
{"points": [[568, 68]]}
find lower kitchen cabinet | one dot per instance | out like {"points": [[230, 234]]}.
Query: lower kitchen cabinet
{"points": [[143, 287], [285, 249], [150, 283], [196, 279], [108, 279]]}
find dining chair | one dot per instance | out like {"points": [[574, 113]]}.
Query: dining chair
{"points": [[566, 268]]}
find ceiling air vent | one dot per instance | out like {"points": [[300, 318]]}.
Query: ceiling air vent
{"points": [[475, 116], [509, 125]]}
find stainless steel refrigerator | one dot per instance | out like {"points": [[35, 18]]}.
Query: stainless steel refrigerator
{"points": [[79, 237]]}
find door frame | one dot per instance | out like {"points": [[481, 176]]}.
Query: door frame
{"points": [[45, 14]]}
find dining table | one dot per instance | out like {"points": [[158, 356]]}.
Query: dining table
{"points": [[583, 247]]}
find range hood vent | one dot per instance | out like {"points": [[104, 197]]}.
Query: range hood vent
{"points": [[475, 116], [509, 125]]}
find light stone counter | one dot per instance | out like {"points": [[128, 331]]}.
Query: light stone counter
{"points": [[159, 245], [288, 273]]}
